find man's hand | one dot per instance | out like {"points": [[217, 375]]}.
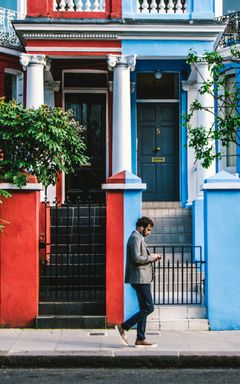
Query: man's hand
{"points": [[155, 256]]}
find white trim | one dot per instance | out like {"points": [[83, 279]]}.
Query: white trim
{"points": [[85, 90], [218, 8], [10, 51], [226, 185], [13, 71], [157, 37], [28, 186], [84, 71], [119, 28], [121, 186], [157, 101], [19, 83], [72, 49], [22, 8]]}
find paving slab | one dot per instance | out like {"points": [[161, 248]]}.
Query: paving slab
{"points": [[102, 348]]}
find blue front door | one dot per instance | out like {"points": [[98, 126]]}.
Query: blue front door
{"points": [[158, 141]]}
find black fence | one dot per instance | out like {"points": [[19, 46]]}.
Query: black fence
{"points": [[72, 252], [231, 35], [179, 275]]}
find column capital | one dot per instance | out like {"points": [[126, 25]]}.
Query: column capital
{"points": [[188, 85], [53, 85], [122, 60], [27, 59]]}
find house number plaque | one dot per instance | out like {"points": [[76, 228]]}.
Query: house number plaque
{"points": [[158, 159]]}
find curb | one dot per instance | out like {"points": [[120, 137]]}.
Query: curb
{"points": [[97, 360]]}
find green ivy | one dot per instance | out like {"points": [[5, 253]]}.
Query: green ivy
{"points": [[5, 194], [42, 141], [225, 127]]}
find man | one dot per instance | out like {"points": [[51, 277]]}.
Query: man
{"points": [[139, 274]]}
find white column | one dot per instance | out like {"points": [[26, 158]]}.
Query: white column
{"points": [[121, 137], [205, 118], [35, 81], [22, 8]]}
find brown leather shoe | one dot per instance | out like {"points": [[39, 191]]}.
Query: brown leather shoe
{"points": [[144, 343], [122, 334]]}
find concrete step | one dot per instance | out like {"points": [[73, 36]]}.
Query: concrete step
{"points": [[70, 322], [178, 318], [178, 325], [180, 297], [86, 308], [166, 212], [172, 223], [161, 204], [164, 312]]}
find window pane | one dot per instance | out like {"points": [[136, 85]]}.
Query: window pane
{"points": [[10, 86], [231, 148], [149, 87]]}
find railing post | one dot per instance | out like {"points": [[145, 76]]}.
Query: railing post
{"points": [[19, 256]]}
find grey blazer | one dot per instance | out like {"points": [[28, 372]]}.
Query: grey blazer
{"points": [[138, 264]]}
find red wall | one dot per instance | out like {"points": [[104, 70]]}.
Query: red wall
{"points": [[19, 260], [114, 258]]}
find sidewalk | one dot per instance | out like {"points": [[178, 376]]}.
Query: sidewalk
{"points": [[102, 348]]}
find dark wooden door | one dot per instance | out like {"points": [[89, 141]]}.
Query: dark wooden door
{"points": [[158, 153], [90, 111]]}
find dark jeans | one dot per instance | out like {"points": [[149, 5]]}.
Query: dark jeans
{"points": [[145, 301]]}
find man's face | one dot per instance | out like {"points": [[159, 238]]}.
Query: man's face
{"points": [[147, 231]]}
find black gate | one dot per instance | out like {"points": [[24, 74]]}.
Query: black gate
{"points": [[179, 275], [72, 252]]}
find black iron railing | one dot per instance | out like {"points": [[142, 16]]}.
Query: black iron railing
{"points": [[231, 35], [179, 275], [72, 252]]}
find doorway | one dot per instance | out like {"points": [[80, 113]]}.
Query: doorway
{"points": [[90, 111], [158, 152]]}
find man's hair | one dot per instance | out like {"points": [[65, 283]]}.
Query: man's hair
{"points": [[144, 222]]}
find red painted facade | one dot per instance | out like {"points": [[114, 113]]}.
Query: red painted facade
{"points": [[114, 258], [70, 47], [19, 260], [44, 8]]}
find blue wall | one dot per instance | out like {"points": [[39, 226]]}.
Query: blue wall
{"points": [[222, 252], [132, 211], [164, 48], [9, 4]]}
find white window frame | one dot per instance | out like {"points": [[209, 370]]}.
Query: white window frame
{"points": [[223, 160], [19, 83]]}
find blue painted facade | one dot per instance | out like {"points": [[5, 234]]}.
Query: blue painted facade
{"points": [[9, 4], [222, 250], [167, 55], [197, 9], [165, 60], [132, 211]]}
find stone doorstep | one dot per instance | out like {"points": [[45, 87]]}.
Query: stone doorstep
{"points": [[161, 204], [180, 312], [166, 212], [178, 325]]}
